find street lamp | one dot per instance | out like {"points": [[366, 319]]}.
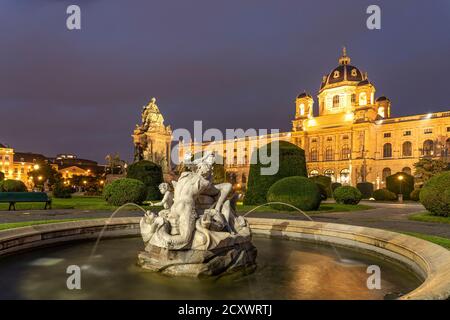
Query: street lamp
{"points": [[400, 196], [36, 167]]}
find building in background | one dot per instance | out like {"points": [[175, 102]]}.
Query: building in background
{"points": [[353, 138]]}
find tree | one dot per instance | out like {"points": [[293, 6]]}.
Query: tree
{"points": [[115, 164], [2, 176], [45, 172], [150, 174], [426, 168]]}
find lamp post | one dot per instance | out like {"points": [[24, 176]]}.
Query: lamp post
{"points": [[400, 196]]}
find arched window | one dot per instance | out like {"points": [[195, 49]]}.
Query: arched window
{"points": [[345, 154], [329, 154], [362, 99], [353, 97], [407, 170], [381, 112], [345, 176], [428, 147], [407, 149], [386, 173], [387, 150], [329, 173], [314, 173], [302, 109], [314, 154], [336, 101]]}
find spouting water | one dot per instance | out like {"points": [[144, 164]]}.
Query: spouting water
{"points": [[94, 249], [307, 216]]}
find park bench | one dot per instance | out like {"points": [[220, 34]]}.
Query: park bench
{"points": [[14, 197]]}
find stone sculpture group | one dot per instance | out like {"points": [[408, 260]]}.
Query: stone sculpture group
{"points": [[198, 232]]}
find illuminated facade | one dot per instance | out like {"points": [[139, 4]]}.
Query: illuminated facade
{"points": [[16, 166], [353, 138]]}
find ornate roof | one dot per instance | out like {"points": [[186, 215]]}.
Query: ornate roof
{"points": [[343, 72]]}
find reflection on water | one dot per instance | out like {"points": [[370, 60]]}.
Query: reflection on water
{"points": [[286, 270]]}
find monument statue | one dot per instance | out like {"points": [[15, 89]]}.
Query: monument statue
{"points": [[151, 138], [200, 233], [167, 200]]}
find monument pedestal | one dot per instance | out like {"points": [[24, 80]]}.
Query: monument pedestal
{"points": [[199, 263]]}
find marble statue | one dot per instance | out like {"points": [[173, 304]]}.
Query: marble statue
{"points": [[167, 200], [200, 233]]}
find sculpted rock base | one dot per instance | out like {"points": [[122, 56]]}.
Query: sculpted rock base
{"points": [[199, 263]]}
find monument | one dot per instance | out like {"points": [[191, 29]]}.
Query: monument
{"points": [[152, 139], [200, 234]]}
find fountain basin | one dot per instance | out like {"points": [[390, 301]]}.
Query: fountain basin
{"points": [[428, 261]]}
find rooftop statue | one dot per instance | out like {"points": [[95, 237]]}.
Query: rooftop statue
{"points": [[200, 234]]}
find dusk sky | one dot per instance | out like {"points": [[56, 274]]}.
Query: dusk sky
{"points": [[232, 64]]}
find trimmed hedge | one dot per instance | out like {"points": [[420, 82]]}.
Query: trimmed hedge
{"points": [[384, 195], [347, 195], [366, 189], [125, 190], [435, 194], [291, 163], [297, 191], [324, 183], [414, 195], [12, 186], [150, 174], [405, 186], [61, 191], [335, 185]]}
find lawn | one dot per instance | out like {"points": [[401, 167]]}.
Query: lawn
{"points": [[444, 242], [97, 203], [76, 202], [426, 216]]}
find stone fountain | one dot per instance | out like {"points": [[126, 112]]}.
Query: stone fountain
{"points": [[198, 233]]}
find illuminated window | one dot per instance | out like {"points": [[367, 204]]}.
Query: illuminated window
{"points": [[336, 101], [353, 99], [329, 154], [302, 109], [362, 99], [314, 173], [428, 148], [407, 149], [387, 150], [314, 154], [386, 173], [336, 74], [381, 112], [387, 135], [345, 176], [428, 131], [407, 133], [354, 73], [329, 173], [345, 153]]}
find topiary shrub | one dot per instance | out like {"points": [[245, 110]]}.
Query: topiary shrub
{"points": [[12, 186], [291, 163], [414, 195], [397, 186], [366, 189], [150, 174], [335, 185], [61, 191], [347, 195], [323, 191], [324, 183], [435, 194], [384, 195], [297, 191], [125, 190]]}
